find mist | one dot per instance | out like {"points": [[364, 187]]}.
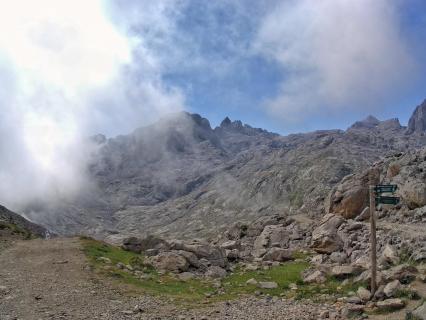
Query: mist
{"points": [[67, 72]]}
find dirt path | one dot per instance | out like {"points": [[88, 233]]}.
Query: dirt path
{"points": [[48, 280], [42, 279]]}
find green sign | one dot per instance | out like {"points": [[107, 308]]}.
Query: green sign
{"points": [[387, 200], [385, 188]]}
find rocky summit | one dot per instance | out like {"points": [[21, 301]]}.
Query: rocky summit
{"points": [[179, 177]]}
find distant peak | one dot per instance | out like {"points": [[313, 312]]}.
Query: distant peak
{"points": [[369, 122], [225, 122], [417, 122]]}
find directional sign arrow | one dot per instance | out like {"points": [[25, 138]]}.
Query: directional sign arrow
{"points": [[387, 200], [385, 188]]}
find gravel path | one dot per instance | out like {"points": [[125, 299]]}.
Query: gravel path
{"points": [[42, 279]]}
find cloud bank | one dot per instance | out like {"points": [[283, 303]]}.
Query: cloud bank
{"points": [[67, 71], [337, 56]]}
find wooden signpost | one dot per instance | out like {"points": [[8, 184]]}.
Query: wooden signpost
{"points": [[376, 198]]}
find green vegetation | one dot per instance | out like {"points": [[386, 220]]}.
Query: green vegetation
{"points": [[193, 291], [16, 230]]}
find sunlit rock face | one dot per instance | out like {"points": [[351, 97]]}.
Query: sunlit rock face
{"points": [[417, 122]]}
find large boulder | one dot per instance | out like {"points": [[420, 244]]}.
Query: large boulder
{"points": [[350, 197], [271, 234], [132, 244], [214, 254], [169, 261], [138, 245], [325, 238], [414, 193], [278, 254]]}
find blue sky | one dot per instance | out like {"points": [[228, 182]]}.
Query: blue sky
{"points": [[241, 69]]}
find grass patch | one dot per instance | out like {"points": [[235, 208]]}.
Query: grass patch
{"points": [[194, 291], [407, 294]]}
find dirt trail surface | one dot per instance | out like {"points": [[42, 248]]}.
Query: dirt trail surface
{"points": [[50, 279]]}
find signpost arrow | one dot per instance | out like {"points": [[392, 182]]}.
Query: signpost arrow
{"points": [[387, 200], [386, 188]]}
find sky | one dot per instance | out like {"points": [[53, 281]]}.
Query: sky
{"points": [[71, 69]]}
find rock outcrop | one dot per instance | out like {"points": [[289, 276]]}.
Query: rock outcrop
{"points": [[417, 122]]}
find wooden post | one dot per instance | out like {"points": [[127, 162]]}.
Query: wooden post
{"points": [[373, 242]]}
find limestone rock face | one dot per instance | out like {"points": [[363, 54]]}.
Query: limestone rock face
{"points": [[181, 178], [325, 238], [417, 122]]}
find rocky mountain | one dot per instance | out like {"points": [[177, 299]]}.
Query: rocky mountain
{"points": [[181, 177]]}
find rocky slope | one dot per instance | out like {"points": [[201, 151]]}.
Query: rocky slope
{"points": [[180, 177]]}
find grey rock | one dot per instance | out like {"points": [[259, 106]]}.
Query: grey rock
{"points": [[170, 261], [316, 276], [278, 254], [391, 288], [420, 312], [215, 272], [390, 304], [325, 238], [417, 122], [363, 294], [267, 285]]}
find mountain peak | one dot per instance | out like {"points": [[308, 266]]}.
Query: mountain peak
{"points": [[417, 122], [369, 122]]}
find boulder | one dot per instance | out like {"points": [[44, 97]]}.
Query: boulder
{"points": [[390, 254], [338, 257], [267, 285], [366, 277], [190, 257], [229, 245], [420, 312], [414, 193], [170, 261], [391, 288], [316, 276], [215, 272], [363, 294], [214, 254], [252, 282], [344, 271], [404, 273], [392, 304], [278, 254], [325, 238], [132, 244], [350, 198], [186, 276], [138, 245], [271, 234]]}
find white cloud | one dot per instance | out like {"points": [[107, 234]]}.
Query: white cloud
{"points": [[336, 55], [67, 70]]}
